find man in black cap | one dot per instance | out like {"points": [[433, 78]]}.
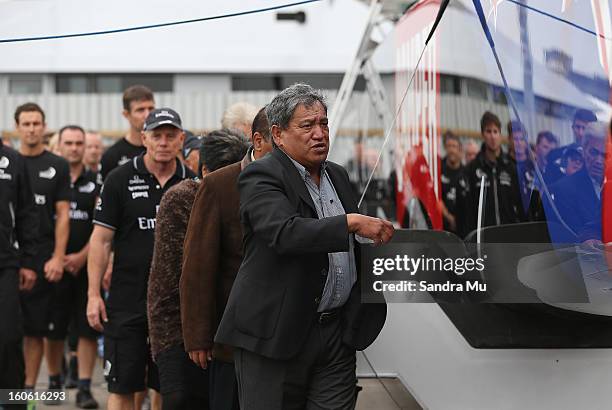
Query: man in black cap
{"points": [[191, 151], [554, 167], [125, 220]]}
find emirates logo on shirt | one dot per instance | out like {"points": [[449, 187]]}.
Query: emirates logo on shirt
{"points": [[4, 162]]}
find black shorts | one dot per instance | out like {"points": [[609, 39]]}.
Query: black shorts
{"points": [[128, 366], [80, 324], [62, 307], [178, 373], [37, 303], [49, 308]]}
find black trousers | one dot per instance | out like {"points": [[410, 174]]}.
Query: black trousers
{"points": [[223, 386], [183, 385], [321, 376], [12, 368]]}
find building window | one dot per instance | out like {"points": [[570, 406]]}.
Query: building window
{"points": [[499, 96], [449, 84], [256, 82], [71, 83], [25, 84], [477, 89], [111, 83], [159, 83], [264, 82], [108, 83]]}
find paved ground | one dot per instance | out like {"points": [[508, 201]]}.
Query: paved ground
{"points": [[377, 394]]}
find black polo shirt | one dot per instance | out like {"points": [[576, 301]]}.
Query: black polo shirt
{"points": [[50, 181], [18, 214], [83, 194], [118, 154], [128, 204], [453, 183]]}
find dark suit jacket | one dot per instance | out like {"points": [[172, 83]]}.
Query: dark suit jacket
{"points": [[277, 290], [212, 256], [578, 206]]}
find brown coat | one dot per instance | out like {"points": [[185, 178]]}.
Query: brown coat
{"points": [[212, 256], [163, 291]]}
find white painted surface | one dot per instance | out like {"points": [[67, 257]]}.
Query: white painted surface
{"points": [[244, 44], [440, 369]]}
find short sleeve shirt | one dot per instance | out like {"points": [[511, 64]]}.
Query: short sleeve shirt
{"points": [[118, 154], [50, 181], [83, 194], [128, 205]]}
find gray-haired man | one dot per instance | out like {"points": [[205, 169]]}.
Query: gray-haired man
{"points": [[294, 313], [578, 197]]}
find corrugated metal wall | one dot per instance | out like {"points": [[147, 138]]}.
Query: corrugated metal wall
{"points": [[103, 111], [203, 111]]}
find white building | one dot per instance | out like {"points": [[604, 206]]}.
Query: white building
{"points": [[201, 67]]}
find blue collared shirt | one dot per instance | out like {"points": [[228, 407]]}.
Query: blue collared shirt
{"points": [[342, 272]]}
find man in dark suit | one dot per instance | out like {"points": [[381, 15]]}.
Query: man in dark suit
{"points": [[294, 314], [578, 197]]}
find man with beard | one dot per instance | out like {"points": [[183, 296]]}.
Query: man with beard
{"points": [[72, 300]]}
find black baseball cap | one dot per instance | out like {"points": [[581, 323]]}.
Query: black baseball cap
{"points": [[572, 152], [192, 143], [162, 116]]}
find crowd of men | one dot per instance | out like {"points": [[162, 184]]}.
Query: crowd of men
{"points": [[220, 270], [544, 181]]}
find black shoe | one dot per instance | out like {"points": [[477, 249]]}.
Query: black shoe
{"points": [[84, 400], [71, 381]]}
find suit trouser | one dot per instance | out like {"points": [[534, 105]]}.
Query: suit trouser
{"points": [[321, 376], [223, 386]]}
